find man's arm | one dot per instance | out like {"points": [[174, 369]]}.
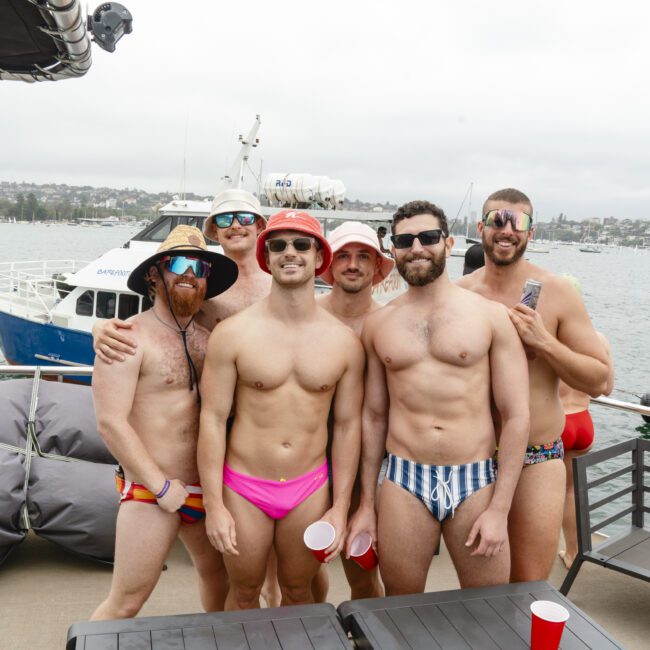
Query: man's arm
{"points": [[113, 389], [374, 427], [110, 343], [346, 440], [509, 377], [576, 355], [218, 383]]}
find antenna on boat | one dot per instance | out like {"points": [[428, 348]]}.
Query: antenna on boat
{"points": [[234, 178]]}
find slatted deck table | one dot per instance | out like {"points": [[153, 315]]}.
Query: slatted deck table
{"points": [[282, 628], [487, 618]]}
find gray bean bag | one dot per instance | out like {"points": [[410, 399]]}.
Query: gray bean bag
{"points": [[12, 477], [74, 504]]}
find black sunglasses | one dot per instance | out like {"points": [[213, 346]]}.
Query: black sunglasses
{"points": [[300, 244], [426, 238]]}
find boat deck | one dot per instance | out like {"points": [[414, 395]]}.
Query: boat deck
{"points": [[44, 589]]}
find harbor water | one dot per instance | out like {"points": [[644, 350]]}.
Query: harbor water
{"points": [[614, 287]]}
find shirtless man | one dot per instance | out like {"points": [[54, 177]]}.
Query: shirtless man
{"points": [[357, 265], [437, 355], [234, 222], [282, 362], [560, 344], [148, 414]]}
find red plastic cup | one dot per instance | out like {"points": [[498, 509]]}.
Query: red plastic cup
{"points": [[547, 624], [362, 552], [318, 537]]}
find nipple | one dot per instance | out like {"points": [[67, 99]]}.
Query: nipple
{"points": [[324, 387], [259, 384], [169, 380], [462, 355], [388, 360]]}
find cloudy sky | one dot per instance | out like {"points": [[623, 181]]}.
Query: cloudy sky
{"points": [[400, 100]]}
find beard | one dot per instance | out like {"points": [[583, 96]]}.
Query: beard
{"points": [[183, 303], [420, 277], [489, 248]]}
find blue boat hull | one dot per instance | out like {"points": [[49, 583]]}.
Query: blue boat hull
{"points": [[21, 340]]}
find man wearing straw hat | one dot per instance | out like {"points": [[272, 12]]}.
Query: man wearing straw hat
{"points": [[234, 222], [282, 362], [148, 414]]}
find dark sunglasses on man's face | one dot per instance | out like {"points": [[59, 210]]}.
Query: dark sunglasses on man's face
{"points": [[180, 264], [300, 244], [519, 220], [426, 238], [244, 218]]}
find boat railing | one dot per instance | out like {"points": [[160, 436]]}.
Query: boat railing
{"points": [[34, 287]]}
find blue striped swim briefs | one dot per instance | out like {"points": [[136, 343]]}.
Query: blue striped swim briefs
{"points": [[441, 488]]}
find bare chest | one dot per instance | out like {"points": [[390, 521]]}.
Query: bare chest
{"points": [[237, 298], [165, 365], [448, 338], [312, 364]]}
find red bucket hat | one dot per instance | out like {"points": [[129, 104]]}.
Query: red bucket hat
{"points": [[300, 222]]}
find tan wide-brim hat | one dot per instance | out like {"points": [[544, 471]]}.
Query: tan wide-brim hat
{"points": [[233, 201], [187, 240], [355, 232]]}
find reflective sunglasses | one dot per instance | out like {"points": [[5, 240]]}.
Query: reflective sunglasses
{"points": [[300, 244], [426, 238], [519, 220], [179, 264], [244, 218]]}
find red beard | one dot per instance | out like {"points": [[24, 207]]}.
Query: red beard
{"points": [[185, 303]]}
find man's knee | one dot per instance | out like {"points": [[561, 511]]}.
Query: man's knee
{"points": [[296, 594], [245, 595]]}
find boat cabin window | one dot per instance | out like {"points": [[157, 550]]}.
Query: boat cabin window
{"points": [[85, 302], [105, 304], [128, 306], [160, 233]]}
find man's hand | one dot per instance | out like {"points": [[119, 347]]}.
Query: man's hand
{"points": [[364, 520], [530, 327], [109, 341], [337, 518], [492, 528], [220, 529], [175, 496]]}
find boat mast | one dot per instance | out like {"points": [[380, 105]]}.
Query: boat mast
{"points": [[233, 179], [469, 210]]}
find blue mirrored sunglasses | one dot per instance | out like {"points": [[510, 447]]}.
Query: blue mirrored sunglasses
{"points": [[180, 264], [225, 220]]}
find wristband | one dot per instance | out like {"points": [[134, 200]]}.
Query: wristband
{"points": [[164, 490]]}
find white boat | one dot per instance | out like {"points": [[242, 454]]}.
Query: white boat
{"points": [[48, 308], [590, 248]]}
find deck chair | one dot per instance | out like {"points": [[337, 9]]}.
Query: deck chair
{"points": [[628, 551]]}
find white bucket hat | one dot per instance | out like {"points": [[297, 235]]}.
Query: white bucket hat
{"points": [[355, 232], [233, 201]]}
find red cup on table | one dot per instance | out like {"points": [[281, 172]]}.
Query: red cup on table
{"points": [[547, 624], [318, 537], [362, 552]]}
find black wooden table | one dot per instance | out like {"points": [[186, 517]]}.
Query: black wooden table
{"points": [[282, 628], [487, 618]]}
